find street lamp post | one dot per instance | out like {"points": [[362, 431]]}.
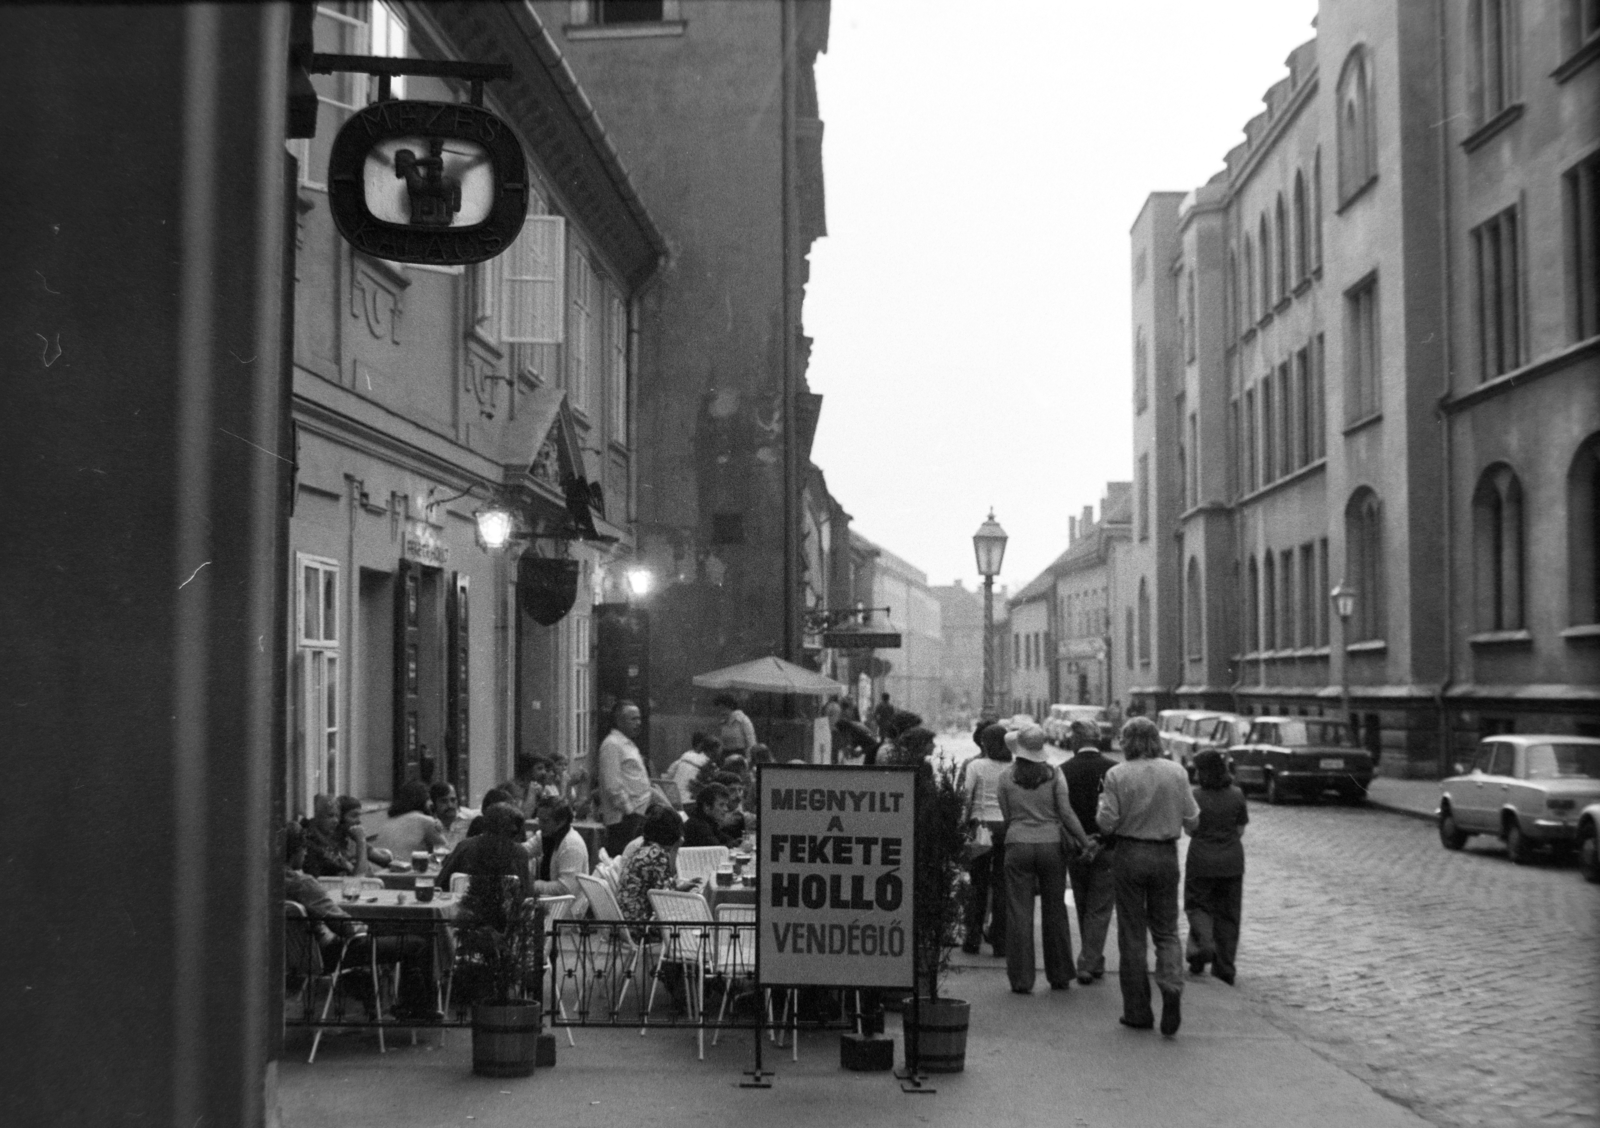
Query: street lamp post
{"points": [[989, 545], [1344, 606]]}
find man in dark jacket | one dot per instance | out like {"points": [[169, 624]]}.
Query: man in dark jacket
{"points": [[1094, 889], [704, 827]]}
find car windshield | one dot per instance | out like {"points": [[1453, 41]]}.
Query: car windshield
{"points": [[1564, 761], [1295, 733]]}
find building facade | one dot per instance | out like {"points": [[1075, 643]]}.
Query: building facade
{"points": [[911, 675], [726, 420], [1386, 382], [961, 625]]}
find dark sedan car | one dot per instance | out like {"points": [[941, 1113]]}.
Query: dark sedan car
{"points": [[1301, 757]]}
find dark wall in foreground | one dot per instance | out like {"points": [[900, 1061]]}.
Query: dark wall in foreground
{"points": [[143, 461]]}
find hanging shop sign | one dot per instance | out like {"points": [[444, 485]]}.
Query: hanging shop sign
{"points": [[835, 887], [861, 640], [547, 587], [440, 183], [422, 545]]}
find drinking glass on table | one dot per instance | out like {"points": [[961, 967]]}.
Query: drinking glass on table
{"points": [[420, 859], [424, 889], [350, 889]]}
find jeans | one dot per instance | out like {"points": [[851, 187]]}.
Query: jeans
{"points": [[1094, 891], [988, 883], [1213, 906], [1147, 909], [1037, 868]]}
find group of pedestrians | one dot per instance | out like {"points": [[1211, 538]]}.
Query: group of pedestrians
{"points": [[1112, 830]]}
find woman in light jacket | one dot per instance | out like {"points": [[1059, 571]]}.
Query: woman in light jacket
{"points": [[982, 788], [1034, 802]]}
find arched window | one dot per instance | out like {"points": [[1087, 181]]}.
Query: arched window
{"points": [[1583, 533], [1233, 313], [1316, 211], [1302, 230], [1358, 161], [1264, 233], [1252, 609], [1144, 621], [1127, 640], [1194, 618], [1281, 286], [1141, 371], [1249, 283], [1269, 602], [1498, 550], [1363, 541]]}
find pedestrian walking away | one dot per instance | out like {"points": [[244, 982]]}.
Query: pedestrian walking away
{"points": [[1093, 883], [1213, 879], [981, 786], [1146, 804], [1037, 809]]}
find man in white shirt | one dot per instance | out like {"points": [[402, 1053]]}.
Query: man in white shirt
{"points": [[624, 779]]}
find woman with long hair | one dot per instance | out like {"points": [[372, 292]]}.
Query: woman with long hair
{"points": [[1037, 809], [1213, 881], [982, 790], [411, 826]]}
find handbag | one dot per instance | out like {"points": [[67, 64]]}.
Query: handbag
{"points": [[980, 840]]}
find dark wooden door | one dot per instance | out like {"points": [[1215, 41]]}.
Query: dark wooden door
{"points": [[457, 688], [407, 673]]}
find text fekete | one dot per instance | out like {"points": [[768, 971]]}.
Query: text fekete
{"points": [[833, 849]]}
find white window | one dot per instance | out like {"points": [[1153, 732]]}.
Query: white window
{"points": [[617, 367], [389, 39], [347, 27], [580, 688], [532, 283], [318, 737], [580, 357]]}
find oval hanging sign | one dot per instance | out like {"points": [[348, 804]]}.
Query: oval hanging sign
{"points": [[441, 183]]}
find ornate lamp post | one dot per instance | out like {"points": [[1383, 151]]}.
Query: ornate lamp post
{"points": [[989, 545], [1344, 606]]}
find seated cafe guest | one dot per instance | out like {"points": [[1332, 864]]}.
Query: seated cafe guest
{"points": [[325, 843], [453, 820], [355, 837], [418, 991], [497, 851], [704, 826], [651, 866], [737, 821], [559, 852], [521, 788], [410, 827], [490, 798]]}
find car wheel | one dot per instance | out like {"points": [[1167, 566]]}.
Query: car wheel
{"points": [[1589, 856], [1518, 848], [1275, 794], [1451, 835]]}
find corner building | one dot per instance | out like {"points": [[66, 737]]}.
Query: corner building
{"points": [[1386, 381]]}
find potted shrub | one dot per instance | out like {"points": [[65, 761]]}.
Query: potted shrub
{"points": [[498, 969], [938, 1023]]}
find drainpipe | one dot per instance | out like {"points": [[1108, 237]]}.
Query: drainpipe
{"points": [[1446, 293]]}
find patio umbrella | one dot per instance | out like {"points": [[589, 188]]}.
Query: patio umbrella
{"points": [[769, 675]]}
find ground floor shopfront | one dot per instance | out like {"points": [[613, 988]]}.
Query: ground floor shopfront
{"points": [[414, 651]]}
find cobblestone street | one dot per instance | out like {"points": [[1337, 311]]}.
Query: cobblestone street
{"points": [[1456, 983]]}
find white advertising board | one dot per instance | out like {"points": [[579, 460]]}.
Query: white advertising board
{"points": [[835, 888]]}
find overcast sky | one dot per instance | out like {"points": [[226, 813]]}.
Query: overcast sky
{"points": [[984, 162]]}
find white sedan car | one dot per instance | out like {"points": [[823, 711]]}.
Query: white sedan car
{"points": [[1527, 790]]}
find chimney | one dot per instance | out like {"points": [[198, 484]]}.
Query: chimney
{"points": [[1086, 522], [1072, 531]]}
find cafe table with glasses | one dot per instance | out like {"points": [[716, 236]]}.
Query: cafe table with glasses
{"points": [[390, 911], [734, 883]]}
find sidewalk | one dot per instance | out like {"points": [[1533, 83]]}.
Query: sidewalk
{"points": [[1052, 1057], [1418, 798]]}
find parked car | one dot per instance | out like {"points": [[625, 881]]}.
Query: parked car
{"points": [[1181, 743], [1170, 724], [1589, 841], [1301, 757], [1220, 731], [1525, 789], [1058, 725]]}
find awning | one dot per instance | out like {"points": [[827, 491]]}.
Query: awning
{"points": [[770, 675]]}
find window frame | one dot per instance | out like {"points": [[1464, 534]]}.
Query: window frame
{"points": [[1499, 288]]}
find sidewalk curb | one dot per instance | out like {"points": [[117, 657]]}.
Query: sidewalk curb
{"points": [[1409, 812]]}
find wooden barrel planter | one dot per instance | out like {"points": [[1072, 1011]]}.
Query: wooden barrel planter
{"points": [[505, 1039], [941, 1034]]}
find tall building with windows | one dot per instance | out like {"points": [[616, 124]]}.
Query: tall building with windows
{"points": [[713, 108], [420, 395], [1381, 307]]}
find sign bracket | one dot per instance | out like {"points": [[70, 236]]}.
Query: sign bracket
{"points": [[387, 68]]}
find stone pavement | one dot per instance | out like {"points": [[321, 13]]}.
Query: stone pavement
{"points": [[1457, 983], [1416, 797]]}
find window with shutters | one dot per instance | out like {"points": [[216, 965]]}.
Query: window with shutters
{"points": [[533, 283], [319, 732], [1582, 192], [617, 365], [1497, 262], [1361, 350], [580, 686], [580, 345]]}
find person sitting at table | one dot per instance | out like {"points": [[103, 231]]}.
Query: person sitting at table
{"points": [[559, 852], [704, 826], [497, 850], [521, 784], [324, 841], [353, 838], [418, 991], [490, 798], [410, 827], [737, 820], [453, 819], [652, 865], [685, 773]]}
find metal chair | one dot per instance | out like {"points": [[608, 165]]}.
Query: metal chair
{"points": [[681, 943], [303, 956], [603, 903], [736, 958], [559, 908]]}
